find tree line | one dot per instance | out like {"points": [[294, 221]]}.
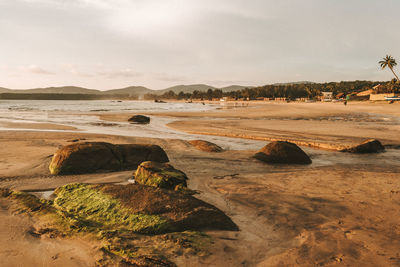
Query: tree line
{"points": [[289, 91]]}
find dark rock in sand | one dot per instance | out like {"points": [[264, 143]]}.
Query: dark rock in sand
{"points": [[161, 175], [369, 146], [206, 146], [282, 152], [139, 119], [88, 157]]}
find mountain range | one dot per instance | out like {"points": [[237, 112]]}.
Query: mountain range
{"points": [[131, 90]]}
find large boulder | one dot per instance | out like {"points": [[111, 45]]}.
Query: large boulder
{"points": [[161, 175], [282, 152], [369, 146], [205, 146], [140, 208], [88, 157], [139, 119]]}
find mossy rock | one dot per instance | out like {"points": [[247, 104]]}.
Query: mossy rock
{"points": [[161, 175], [369, 146], [139, 208], [89, 157], [282, 152], [183, 211], [93, 208], [136, 225], [205, 146]]}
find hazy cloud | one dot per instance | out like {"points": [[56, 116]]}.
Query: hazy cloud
{"points": [[124, 73], [38, 70]]}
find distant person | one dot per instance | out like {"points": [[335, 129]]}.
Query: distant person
{"points": [[345, 102]]}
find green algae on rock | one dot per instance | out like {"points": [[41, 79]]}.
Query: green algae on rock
{"points": [[120, 247], [161, 175], [183, 211], [139, 208], [135, 224], [88, 157], [92, 205]]}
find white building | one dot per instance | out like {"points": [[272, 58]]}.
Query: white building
{"points": [[327, 96]]}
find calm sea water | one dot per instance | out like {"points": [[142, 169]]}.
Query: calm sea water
{"points": [[77, 114]]}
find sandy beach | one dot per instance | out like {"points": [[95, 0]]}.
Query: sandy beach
{"points": [[341, 210]]}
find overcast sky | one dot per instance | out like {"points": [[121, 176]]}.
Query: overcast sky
{"points": [[106, 44]]}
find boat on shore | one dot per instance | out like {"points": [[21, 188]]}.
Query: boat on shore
{"points": [[392, 98]]}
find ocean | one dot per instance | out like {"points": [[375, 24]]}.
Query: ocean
{"points": [[78, 114]]}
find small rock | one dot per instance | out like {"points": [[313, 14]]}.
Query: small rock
{"points": [[282, 152], [206, 146], [161, 175], [139, 119], [369, 146]]}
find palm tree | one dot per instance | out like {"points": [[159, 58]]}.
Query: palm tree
{"points": [[389, 62]]}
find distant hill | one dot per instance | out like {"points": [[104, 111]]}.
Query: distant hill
{"points": [[132, 90], [56, 90], [129, 91], [5, 90]]}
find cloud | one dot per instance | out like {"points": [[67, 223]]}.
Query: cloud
{"points": [[124, 73], [38, 70], [169, 77]]}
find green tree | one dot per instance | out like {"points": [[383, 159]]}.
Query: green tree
{"points": [[389, 62]]}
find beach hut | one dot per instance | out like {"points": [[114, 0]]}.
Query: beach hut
{"points": [[379, 89], [327, 96]]}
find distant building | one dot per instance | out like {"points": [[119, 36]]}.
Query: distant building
{"points": [[327, 96], [379, 89], [380, 92], [377, 97]]}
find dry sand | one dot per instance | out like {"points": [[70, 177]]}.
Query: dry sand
{"points": [[345, 212]]}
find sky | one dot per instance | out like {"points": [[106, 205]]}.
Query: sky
{"points": [[107, 44]]}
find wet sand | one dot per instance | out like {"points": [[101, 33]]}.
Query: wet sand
{"points": [[21, 247], [322, 125], [342, 209]]}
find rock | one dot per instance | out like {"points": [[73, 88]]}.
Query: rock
{"points": [[369, 146], [161, 175], [282, 152], [4, 192], [184, 211], [139, 119], [140, 208], [88, 157], [206, 146], [134, 154]]}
